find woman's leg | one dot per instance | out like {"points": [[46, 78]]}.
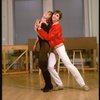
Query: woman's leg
{"points": [[53, 73], [43, 63], [64, 57]]}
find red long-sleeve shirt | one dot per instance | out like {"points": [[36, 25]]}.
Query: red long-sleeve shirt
{"points": [[54, 37]]}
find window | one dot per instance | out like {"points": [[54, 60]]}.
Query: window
{"points": [[25, 14], [73, 20]]}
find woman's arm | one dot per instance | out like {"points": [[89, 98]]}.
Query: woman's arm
{"points": [[36, 26], [35, 44]]}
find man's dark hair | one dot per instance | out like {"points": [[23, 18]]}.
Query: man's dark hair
{"points": [[58, 12]]}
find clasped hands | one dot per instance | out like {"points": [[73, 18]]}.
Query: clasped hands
{"points": [[37, 25]]}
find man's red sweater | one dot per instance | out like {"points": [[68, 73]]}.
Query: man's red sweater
{"points": [[54, 37]]}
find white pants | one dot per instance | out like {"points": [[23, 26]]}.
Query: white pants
{"points": [[65, 59]]}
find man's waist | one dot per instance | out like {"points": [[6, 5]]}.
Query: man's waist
{"points": [[56, 42], [58, 45]]}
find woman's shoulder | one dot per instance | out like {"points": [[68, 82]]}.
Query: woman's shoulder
{"points": [[44, 23]]}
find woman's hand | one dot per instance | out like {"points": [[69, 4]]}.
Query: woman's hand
{"points": [[37, 24]]}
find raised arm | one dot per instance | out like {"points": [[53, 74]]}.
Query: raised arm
{"points": [[36, 25]]}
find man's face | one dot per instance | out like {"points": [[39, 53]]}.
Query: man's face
{"points": [[55, 17]]}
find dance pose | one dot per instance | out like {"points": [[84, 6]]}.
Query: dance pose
{"points": [[56, 41]]}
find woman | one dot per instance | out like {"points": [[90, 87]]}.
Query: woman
{"points": [[56, 41], [44, 49]]}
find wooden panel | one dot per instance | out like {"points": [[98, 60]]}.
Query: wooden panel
{"points": [[73, 43], [81, 43], [31, 43], [15, 47]]}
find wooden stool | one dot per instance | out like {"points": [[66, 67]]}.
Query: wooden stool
{"points": [[81, 58]]}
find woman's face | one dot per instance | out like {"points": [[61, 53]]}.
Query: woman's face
{"points": [[55, 17], [47, 15]]}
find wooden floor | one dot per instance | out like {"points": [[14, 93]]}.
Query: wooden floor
{"points": [[27, 87]]}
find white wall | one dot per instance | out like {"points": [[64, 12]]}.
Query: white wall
{"points": [[94, 18], [47, 5], [4, 23], [7, 22]]}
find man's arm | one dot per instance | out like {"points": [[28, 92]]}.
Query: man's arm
{"points": [[49, 36]]}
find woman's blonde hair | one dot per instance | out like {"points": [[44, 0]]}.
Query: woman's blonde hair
{"points": [[50, 19]]}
